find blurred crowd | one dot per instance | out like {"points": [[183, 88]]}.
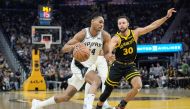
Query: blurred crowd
{"points": [[182, 34], [8, 80], [171, 76]]}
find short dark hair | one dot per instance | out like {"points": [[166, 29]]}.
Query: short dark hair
{"points": [[96, 15], [125, 17]]}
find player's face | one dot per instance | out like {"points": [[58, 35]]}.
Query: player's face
{"points": [[98, 23], [122, 24]]}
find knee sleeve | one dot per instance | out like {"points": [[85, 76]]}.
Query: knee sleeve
{"points": [[106, 93]]}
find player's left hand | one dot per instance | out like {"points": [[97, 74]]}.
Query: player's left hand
{"points": [[108, 56], [170, 12]]}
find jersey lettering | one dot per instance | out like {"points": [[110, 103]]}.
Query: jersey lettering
{"points": [[90, 44]]}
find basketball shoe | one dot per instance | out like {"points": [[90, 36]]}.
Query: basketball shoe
{"points": [[35, 104], [106, 106], [119, 107]]}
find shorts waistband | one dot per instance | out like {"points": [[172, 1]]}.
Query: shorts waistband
{"points": [[124, 63]]}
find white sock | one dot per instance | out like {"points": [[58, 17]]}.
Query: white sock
{"points": [[47, 102], [90, 100], [106, 103], [85, 102], [87, 87]]}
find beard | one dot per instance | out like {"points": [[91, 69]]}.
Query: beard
{"points": [[123, 31]]}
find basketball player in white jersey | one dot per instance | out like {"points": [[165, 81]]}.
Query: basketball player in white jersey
{"points": [[102, 69], [96, 39]]}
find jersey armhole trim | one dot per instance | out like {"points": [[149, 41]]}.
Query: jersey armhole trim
{"points": [[133, 35], [119, 41], [84, 34]]}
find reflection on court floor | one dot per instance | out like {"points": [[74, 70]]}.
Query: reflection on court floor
{"points": [[147, 99]]}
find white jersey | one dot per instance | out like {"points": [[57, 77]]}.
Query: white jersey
{"points": [[95, 44]]}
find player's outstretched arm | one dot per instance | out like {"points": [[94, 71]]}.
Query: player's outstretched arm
{"points": [[155, 24], [70, 45]]}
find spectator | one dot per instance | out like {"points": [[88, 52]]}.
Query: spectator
{"points": [[159, 72], [185, 68], [50, 77], [171, 77]]}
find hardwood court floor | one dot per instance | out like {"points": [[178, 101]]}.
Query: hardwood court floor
{"points": [[146, 99]]}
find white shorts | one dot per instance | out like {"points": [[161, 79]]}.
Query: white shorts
{"points": [[102, 67], [77, 80]]}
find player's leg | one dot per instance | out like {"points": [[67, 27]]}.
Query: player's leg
{"points": [[112, 80], [94, 80], [136, 87], [103, 97], [75, 83], [102, 68], [134, 78], [87, 87]]}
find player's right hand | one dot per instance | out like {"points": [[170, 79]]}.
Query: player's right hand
{"points": [[76, 46], [79, 45], [170, 12]]}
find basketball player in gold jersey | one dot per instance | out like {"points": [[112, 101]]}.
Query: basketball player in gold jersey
{"points": [[125, 45]]}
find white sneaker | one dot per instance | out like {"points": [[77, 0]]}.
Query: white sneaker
{"points": [[89, 107], [107, 106], [35, 104], [84, 106]]}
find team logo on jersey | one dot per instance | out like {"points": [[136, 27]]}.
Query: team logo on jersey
{"points": [[90, 44]]}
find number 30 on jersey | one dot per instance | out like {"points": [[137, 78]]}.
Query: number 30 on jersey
{"points": [[128, 51]]}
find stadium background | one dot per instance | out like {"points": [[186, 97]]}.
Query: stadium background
{"points": [[17, 17]]}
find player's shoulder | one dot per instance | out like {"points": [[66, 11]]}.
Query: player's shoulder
{"points": [[135, 31], [116, 35], [80, 35], [85, 31], [82, 32], [106, 34]]}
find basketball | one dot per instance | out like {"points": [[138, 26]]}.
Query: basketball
{"points": [[81, 53]]}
